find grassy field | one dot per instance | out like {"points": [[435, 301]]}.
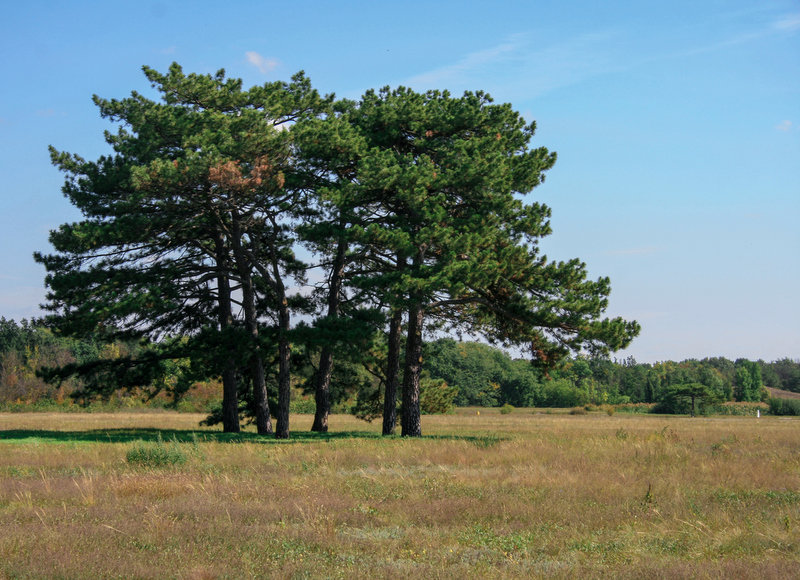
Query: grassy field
{"points": [[151, 495]]}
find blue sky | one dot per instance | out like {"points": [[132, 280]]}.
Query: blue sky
{"points": [[677, 126]]}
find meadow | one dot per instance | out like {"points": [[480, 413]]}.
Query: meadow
{"points": [[489, 495]]}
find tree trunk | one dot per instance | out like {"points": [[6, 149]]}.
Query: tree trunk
{"points": [[322, 391], [256, 362], [411, 425], [392, 373], [230, 387], [322, 395], [284, 366], [230, 399]]}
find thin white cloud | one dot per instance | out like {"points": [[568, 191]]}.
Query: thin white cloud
{"points": [[460, 71], [790, 23], [262, 63], [784, 125], [521, 67]]}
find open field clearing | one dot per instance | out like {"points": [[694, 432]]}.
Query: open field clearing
{"points": [[151, 495]]}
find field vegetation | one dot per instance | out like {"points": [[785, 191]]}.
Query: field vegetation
{"points": [[484, 494]]}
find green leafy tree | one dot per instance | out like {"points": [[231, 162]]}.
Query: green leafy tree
{"points": [[788, 371], [769, 376], [483, 375], [748, 381]]}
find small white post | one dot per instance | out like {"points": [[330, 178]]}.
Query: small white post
{"points": [[758, 413]]}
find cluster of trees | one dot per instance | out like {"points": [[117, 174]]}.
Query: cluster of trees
{"points": [[24, 349], [230, 230], [454, 373], [30, 352], [487, 376]]}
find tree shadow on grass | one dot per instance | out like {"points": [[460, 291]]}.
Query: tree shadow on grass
{"points": [[129, 435]]}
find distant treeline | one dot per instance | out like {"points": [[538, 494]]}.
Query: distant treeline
{"points": [[487, 376], [460, 373]]}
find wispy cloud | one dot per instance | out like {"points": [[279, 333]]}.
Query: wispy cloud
{"points": [[788, 23], [520, 66], [523, 65], [459, 72], [262, 63], [784, 125]]}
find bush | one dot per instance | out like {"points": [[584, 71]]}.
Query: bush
{"points": [[506, 409], [436, 397], [578, 411], [737, 409], [562, 393], [784, 406], [155, 454], [635, 408], [303, 405]]}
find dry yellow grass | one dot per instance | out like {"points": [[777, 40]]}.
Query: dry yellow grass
{"points": [[489, 495]]}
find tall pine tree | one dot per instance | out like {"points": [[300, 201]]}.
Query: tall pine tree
{"points": [[446, 236], [187, 226]]}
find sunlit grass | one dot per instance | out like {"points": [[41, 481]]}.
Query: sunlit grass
{"points": [[481, 495]]}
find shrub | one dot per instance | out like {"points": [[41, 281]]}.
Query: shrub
{"points": [[784, 406], [562, 393], [303, 405], [737, 409], [436, 396], [156, 454], [578, 411], [506, 409], [635, 408]]}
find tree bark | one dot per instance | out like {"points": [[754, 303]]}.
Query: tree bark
{"points": [[272, 277], [256, 362], [392, 373], [411, 424], [230, 387], [322, 394], [284, 365], [322, 391]]}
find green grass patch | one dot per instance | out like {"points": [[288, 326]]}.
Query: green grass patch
{"points": [[156, 454]]}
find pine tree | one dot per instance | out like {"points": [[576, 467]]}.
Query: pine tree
{"points": [[187, 222], [449, 240]]}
